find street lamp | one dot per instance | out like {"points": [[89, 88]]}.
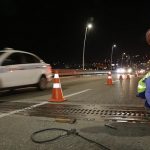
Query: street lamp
{"points": [[128, 61], [111, 55], [122, 59], [88, 26]]}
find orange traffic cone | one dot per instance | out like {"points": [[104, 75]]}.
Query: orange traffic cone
{"points": [[57, 95], [128, 76], [120, 78], [109, 79]]}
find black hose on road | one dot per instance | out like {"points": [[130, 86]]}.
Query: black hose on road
{"points": [[68, 132]]}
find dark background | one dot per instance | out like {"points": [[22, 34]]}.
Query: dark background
{"points": [[54, 30]]}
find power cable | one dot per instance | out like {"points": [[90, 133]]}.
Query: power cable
{"points": [[67, 133]]}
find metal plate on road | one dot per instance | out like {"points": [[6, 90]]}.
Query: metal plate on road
{"points": [[91, 112], [83, 112]]}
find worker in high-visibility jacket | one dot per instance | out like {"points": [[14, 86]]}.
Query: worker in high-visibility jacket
{"points": [[144, 90]]}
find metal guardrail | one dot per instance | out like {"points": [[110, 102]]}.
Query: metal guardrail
{"points": [[73, 72]]}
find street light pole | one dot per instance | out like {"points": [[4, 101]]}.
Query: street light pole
{"points": [[122, 59], [111, 56], [84, 46], [89, 26]]}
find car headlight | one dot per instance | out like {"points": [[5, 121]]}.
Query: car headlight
{"points": [[129, 70], [121, 70]]}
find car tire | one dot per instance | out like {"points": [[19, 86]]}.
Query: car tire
{"points": [[42, 84]]}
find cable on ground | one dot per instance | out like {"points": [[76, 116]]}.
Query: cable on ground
{"points": [[67, 133]]}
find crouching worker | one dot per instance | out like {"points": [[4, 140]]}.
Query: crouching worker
{"points": [[144, 90]]}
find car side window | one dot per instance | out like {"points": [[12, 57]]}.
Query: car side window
{"points": [[13, 59], [31, 59]]}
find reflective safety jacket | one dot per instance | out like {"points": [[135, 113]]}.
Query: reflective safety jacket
{"points": [[141, 84]]}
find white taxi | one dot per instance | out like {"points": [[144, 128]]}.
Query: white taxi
{"points": [[21, 69]]}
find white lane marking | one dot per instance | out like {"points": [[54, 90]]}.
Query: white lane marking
{"points": [[20, 110], [36, 105], [77, 93]]}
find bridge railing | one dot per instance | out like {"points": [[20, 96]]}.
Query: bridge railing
{"points": [[73, 72]]}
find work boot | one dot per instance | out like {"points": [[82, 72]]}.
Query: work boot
{"points": [[147, 108]]}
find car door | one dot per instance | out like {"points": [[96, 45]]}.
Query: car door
{"points": [[32, 69], [11, 76]]}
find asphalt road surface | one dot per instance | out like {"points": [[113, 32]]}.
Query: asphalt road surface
{"points": [[111, 115]]}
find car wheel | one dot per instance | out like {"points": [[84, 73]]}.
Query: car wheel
{"points": [[42, 84]]}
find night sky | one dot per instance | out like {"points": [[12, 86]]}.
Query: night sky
{"points": [[54, 30]]}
